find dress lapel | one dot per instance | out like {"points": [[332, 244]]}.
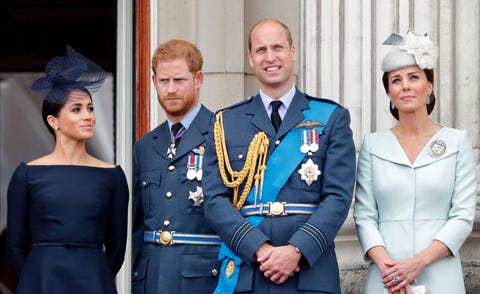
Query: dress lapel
{"points": [[427, 157], [388, 148]]}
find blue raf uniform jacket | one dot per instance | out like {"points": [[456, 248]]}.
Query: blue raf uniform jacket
{"points": [[161, 202], [312, 234]]}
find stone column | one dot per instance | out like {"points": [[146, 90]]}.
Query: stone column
{"points": [[466, 36], [339, 55]]}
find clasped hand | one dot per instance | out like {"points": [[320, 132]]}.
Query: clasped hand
{"points": [[400, 274], [278, 263]]}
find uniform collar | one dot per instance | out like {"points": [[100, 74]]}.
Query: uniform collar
{"points": [[189, 117], [285, 98]]}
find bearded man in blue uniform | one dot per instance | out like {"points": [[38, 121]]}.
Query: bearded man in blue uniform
{"points": [[279, 178], [175, 251]]}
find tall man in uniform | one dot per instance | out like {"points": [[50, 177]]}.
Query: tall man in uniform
{"points": [[175, 251], [279, 178]]}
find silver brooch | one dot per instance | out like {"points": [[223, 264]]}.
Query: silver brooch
{"points": [[437, 148]]}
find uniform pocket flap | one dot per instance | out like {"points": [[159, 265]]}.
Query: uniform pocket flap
{"points": [[141, 268], [151, 177], [205, 265]]}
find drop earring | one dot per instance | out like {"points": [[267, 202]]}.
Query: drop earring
{"points": [[428, 99], [392, 106]]}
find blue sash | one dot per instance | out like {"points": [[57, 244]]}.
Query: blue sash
{"points": [[281, 164]]}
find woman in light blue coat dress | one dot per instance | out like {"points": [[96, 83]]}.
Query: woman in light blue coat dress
{"points": [[416, 183]]}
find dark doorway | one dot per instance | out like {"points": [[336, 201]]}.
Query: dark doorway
{"points": [[35, 30]]}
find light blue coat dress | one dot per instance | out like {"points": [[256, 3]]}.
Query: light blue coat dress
{"points": [[404, 206]]}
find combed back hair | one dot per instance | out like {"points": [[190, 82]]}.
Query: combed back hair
{"points": [[274, 20], [174, 49]]}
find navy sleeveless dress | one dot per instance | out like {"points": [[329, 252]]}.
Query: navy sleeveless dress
{"points": [[67, 228]]}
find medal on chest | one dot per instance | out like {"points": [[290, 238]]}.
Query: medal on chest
{"points": [[309, 141], [196, 196], [174, 140], [309, 172], [172, 149], [195, 164]]}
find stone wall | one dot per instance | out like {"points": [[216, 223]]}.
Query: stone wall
{"points": [[339, 54]]}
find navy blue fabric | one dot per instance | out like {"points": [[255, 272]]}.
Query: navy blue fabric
{"points": [[313, 234], [69, 213], [275, 116], [180, 268], [66, 73]]}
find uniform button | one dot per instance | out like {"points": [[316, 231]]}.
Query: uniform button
{"points": [[143, 184], [135, 274], [240, 156], [166, 223], [168, 195], [309, 153], [214, 272], [277, 142], [171, 167]]}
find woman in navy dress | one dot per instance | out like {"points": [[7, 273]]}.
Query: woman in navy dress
{"points": [[67, 211]]}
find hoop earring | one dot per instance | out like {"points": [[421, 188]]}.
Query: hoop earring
{"points": [[428, 99]]}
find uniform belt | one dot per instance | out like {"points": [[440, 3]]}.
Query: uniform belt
{"points": [[278, 209], [172, 238]]}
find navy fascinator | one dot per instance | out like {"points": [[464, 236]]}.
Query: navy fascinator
{"points": [[66, 73]]}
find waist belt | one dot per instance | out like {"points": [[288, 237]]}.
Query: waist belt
{"points": [[278, 209], [172, 237], [68, 244]]}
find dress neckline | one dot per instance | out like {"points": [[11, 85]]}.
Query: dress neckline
{"points": [[421, 150], [68, 165]]}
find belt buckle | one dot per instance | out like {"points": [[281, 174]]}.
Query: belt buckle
{"points": [[165, 237], [276, 208]]}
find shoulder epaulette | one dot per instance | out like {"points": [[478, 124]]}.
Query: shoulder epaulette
{"points": [[244, 101], [326, 100]]}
